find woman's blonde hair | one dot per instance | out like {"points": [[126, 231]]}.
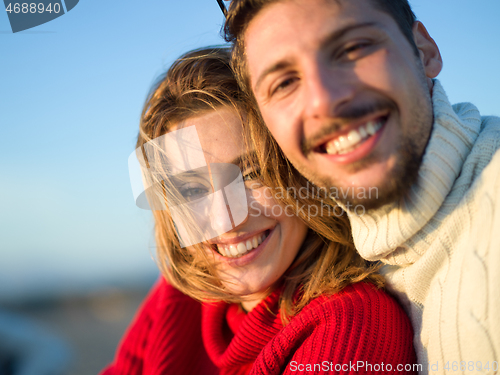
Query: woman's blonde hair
{"points": [[202, 81]]}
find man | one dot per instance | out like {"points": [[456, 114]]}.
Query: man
{"points": [[348, 90]]}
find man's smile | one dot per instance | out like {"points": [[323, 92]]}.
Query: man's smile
{"points": [[351, 138]]}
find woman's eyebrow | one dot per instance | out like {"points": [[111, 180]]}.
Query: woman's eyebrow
{"points": [[240, 160]]}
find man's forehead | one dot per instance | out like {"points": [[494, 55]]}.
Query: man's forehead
{"points": [[316, 21], [286, 14]]}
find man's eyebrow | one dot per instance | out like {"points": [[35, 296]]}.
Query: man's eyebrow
{"points": [[273, 68], [337, 34], [329, 39]]}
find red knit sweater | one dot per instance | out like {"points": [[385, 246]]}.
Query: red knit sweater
{"points": [[360, 330]]}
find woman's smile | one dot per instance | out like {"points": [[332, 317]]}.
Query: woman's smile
{"points": [[239, 246]]}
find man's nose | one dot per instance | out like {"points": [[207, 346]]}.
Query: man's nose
{"points": [[327, 89]]}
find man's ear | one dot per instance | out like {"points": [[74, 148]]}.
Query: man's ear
{"points": [[428, 50]]}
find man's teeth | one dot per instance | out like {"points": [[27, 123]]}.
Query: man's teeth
{"points": [[236, 250], [346, 143]]}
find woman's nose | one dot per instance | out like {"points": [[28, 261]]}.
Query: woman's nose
{"points": [[217, 214]]}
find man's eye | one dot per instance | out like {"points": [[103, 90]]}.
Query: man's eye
{"points": [[354, 51], [283, 85]]}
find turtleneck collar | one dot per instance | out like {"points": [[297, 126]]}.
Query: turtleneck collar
{"points": [[233, 338], [386, 233]]}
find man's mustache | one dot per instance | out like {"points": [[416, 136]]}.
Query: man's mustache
{"points": [[344, 117]]}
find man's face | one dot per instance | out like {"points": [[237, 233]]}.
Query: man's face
{"points": [[344, 94]]}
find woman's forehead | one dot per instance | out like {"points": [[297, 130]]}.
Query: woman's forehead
{"points": [[220, 133]]}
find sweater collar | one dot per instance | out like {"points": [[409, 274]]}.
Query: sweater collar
{"points": [[241, 344], [386, 233]]}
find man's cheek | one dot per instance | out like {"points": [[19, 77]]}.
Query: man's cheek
{"points": [[378, 70], [281, 127]]}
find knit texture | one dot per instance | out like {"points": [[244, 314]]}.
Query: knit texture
{"points": [[439, 243], [358, 324]]}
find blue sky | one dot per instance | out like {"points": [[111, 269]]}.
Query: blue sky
{"points": [[71, 93]]}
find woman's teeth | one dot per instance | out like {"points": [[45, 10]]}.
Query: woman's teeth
{"points": [[346, 143], [235, 250]]}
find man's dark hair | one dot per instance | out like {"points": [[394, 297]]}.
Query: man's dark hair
{"points": [[400, 11], [241, 13]]}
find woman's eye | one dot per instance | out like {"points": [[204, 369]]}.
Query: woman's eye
{"points": [[252, 180], [254, 175], [191, 193]]}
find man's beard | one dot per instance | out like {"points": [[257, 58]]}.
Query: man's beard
{"points": [[396, 185], [404, 173]]}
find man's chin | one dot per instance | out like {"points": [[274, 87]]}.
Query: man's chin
{"points": [[368, 197], [361, 206]]}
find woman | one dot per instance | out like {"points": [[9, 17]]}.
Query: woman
{"points": [[276, 296]]}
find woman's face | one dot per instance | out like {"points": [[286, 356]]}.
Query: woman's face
{"points": [[256, 253]]}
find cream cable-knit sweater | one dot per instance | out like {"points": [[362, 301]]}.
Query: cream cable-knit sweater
{"points": [[441, 243]]}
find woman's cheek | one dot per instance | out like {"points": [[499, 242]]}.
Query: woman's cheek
{"points": [[262, 202], [255, 208]]}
